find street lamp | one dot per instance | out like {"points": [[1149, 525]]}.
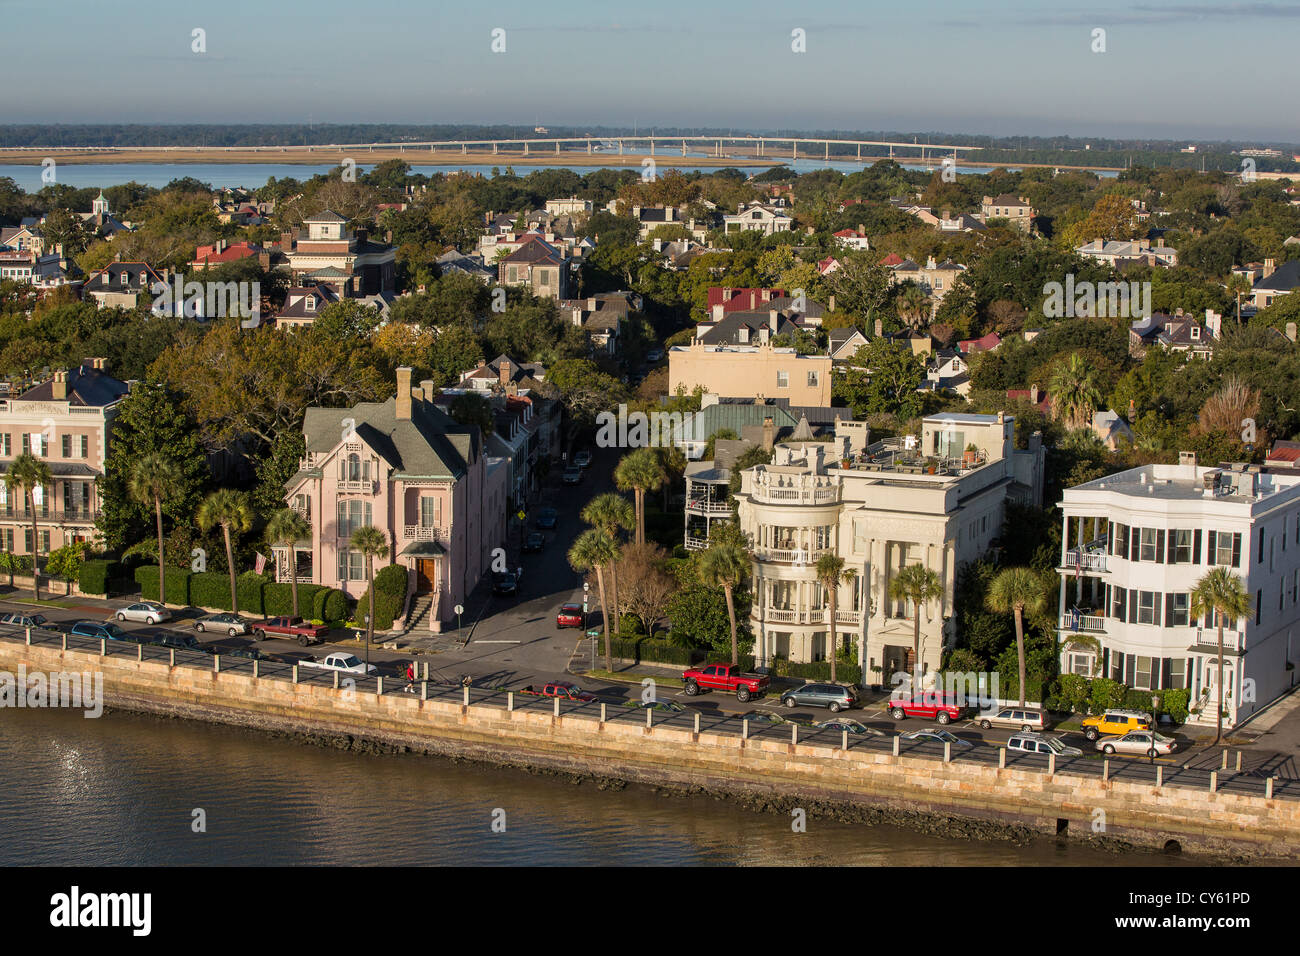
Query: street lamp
{"points": [[369, 641], [460, 609]]}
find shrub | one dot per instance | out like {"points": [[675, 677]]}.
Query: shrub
{"points": [[387, 606], [178, 591], [1174, 703], [1137, 700], [96, 574], [249, 588], [210, 589], [334, 606], [1075, 690], [277, 599], [392, 579], [1105, 693], [631, 625]]}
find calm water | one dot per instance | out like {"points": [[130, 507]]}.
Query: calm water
{"points": [[254, 175], [121, 790]]}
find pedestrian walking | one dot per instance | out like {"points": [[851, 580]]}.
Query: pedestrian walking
{"points": [[410, 677]]}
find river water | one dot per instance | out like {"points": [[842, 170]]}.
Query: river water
{"points": [[123, 790]]}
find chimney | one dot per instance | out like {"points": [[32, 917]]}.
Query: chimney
{"points": [[60, 386], [831, 304], [1187, 458], [773, 317], [880, 328], [503, 371], [482, 363], [862, 230], [591, 304], [403, 409], [769, 433], [426, 386], [286, 241], [1290, 331], [512, 389], [1269, 266]]}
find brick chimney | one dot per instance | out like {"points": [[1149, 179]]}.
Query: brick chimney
{"points": [[286, 241], [403, 411], [60, 386], [769, 433], [503, 370], [426, 386], [1270, 265]]}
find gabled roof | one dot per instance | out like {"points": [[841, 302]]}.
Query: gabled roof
{"points": [[1284, 278], [536, 251], [428, 445], [325, 215], [87, 388]]}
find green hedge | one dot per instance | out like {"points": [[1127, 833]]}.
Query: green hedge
{"points": [[248, 586], [641, 649], [278, 599], [845, 673], [97, 573], [178, 580], [330, 606], [392, 579], [210, 589]]}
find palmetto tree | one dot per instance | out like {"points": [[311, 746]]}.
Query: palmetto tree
{"points": [[726, 564], [913, 305], [920, 585], [1221, 593], [639, 471], [592, 551], [830, 573], [372, 543], [231, 510], [611, 513], [1018, 590], [27, 472], [1074, 390], [286, 528], [153, 478]]}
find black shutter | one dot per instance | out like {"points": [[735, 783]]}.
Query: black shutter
{"points": [[1211, 547], [1105, 661], [1160, 546], [1196, 546], [1169, 609], [1130, 668], [1187, 674], [1135, 544], [1259, 601], [1155, 610], [1110, 538], [1260, 559], [1236, 550], [1133, 607]]}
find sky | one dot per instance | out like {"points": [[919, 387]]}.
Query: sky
{"points": [[1169, 70]]}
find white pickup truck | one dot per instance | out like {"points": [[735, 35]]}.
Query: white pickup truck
{"points": [[348, 663]]}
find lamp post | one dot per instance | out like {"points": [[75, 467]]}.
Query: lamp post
{"points": [[369, 641], [460, 609]]}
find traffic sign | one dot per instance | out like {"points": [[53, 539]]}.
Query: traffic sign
{"points": [[586, 586], [521, 516], [460, 609], [584, 607]]}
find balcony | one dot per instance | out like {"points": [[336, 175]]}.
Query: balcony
{"points": [[79, 516], [696, 544], [1207, 639], [1083, 623], [701, 507], [365, 486], [421, 532], [778, 615], [796, 556], [823, 495], [1093, 562]]}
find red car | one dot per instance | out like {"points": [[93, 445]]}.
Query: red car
{"points": [[570, 616], [928, 706], [563, 689], [293, 628]]}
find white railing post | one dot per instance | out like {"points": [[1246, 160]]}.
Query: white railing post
{"points": [[1002, 758], [295, 673]]}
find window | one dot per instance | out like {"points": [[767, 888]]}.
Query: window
{"points": [[352, 514], [67, 446], [352, 566], [7, 536], [1081, 664], [6, 445], [1259, 600], [1118, 606], [1224, 548], [812, 379], [1181, 545], [1177, 672], [1146, 611], [430, 512], [1177, 611], [782, 379], [1148, 550]]}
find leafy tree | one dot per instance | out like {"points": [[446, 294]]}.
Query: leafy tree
{"points": [[66, 563], [1219, 593], [230, 511], [860, 285], [26, 473], [883, 378]]}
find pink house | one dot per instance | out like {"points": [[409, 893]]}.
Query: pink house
{"points": [[406, 467]]}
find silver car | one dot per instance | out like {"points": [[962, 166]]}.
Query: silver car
{"points": [[1014, 717], [1144, 742], [144, 612], [937, 735], [230, 623]]}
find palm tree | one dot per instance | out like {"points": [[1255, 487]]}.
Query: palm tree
{"points": [[27, 472], [726, 564], [1074, 390], [287, 528], [920, 585], [913, 304], [230, 510], [372, 543], [611, 513], [592, 550], [1221, 593], [830, 572], [153, 478], [639, 471], [1016, 590], [672, 462]]}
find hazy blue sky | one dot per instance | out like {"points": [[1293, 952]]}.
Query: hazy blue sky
{"points": [[1170, 70]]}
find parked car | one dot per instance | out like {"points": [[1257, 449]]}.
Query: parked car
{"points": [[1115, 723], [572, 475], [546, 518], [582, 459], [293, 628], [144, 612], [348, 663], [654, 355], [180, 642], [252, 654], [943, 710], [230, 623], [852, 726], [1032, 743], [669, 705], [536, 541], [837, 697], [102, 629], [728, 677], [937, 736], [24, 620], [504, 583], [1148, 743], [764, 716], [1014, 717], [570, 615], [565, 690]]}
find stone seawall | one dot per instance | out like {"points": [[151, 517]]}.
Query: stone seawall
{"points": [[766, 772]]}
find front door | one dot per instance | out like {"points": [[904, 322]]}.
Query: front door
{"points": [[426, 575]]}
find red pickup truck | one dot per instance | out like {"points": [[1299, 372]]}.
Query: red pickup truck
{"points": [[726, 677], [295, 628], [561, 689], [930, 706]]}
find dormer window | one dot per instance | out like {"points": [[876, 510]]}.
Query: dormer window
{"points": [[1196, 333], [309, 303]]}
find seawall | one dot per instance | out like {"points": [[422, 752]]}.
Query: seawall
{"points": [[765, 770]]}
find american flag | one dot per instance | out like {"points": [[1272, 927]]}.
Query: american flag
{"points": [[261, 562]]}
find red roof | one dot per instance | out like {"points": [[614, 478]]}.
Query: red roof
{"points": [[893, 259], [847, 232], [986, 344], [1044, 400], [1284, 454], [742, 300], [232, 253]]}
